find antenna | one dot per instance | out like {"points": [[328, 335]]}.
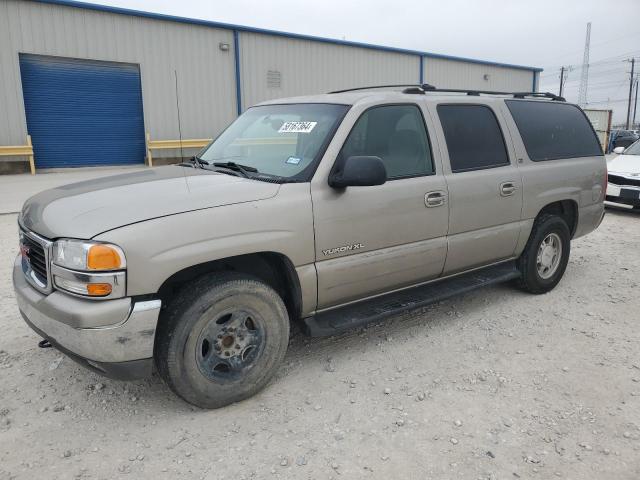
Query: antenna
{"points": [[175, 72], [584, 78]]}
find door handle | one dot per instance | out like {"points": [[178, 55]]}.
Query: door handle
{"points": [[507, 188], [434, 199]]}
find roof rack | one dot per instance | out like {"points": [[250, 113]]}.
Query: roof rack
{"points": [[430, 88], [425, 87]]}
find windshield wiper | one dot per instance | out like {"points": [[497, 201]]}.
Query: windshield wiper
{"points": [[245, 170], [199, 161]]}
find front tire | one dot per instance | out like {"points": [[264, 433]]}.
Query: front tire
{"points": [[222, 339], [545, 257]]}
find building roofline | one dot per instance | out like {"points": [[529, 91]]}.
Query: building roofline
{"points": [[298, 36]]}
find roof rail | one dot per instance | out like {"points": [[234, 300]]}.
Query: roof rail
{"points": [[383, 86], [430, 88], [421, 89]]}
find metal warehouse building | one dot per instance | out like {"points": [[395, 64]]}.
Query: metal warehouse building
{"points": [[88, 83]]}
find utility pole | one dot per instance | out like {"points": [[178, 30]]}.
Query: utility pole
{"points": [[633, 64], [584, 78], [635, 102], [561, 81]]}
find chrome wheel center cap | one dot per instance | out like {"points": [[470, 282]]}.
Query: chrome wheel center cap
{"points": [[547, 256]]}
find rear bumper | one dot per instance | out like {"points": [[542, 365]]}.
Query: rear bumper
{"points": [[113, 337]]}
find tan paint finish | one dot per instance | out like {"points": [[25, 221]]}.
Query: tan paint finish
{"points": [[484, 225], [191, 217], [581, 180], [158, 248], [402, 241]]}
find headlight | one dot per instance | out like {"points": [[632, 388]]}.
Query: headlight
{"points": [[89, 269], [88, 256]]}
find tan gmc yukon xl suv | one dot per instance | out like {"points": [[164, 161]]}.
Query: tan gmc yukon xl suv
{"points": [[332, 211]]}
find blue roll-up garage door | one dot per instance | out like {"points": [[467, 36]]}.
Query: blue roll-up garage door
{"points": [[82, 112]]}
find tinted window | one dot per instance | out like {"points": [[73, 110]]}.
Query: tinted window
{"points": [[552, 130], [473, 136], [396, 134]]}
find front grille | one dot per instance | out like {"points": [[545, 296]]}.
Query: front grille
{"points": [[37, 258], [618, 180], [35, 252]]}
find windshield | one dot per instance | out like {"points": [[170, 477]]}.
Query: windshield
{"points": [[277, 140], [633, 149]]}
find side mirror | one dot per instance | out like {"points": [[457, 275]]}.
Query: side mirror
{"points": [[358, 171], [618, 150]]}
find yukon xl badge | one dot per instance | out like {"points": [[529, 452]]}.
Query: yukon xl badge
{"points": [[345, 248]]}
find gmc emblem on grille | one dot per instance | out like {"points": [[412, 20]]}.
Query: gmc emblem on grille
{"points": [[24, 251]]}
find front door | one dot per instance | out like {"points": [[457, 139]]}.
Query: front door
{"points": [[374, 239], [485, 187]]}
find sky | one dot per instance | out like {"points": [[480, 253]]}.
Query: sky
{"points": [[541, 33]]}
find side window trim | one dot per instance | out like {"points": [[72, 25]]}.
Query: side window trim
{"points": [[502, 136], [426, 130]]}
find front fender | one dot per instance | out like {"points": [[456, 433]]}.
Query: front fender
{"points": [[158, 248]]}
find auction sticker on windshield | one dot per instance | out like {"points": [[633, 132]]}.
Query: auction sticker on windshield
{"points": [[297, 127]]}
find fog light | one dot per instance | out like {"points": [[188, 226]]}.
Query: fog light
{"points": [[81, 288], [98, 289]]}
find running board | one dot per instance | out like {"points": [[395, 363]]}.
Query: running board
{"points": [[358, 314]]}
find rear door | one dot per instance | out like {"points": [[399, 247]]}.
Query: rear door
{"points": [[374, 239], [485, 186]]}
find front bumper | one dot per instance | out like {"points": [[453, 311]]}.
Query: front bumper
{"points": [[625, 195], [114, 337]]}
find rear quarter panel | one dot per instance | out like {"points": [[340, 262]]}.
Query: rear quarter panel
{"points": [[581, 179]]}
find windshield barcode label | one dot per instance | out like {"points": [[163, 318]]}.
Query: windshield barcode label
{"points": [[297, 127]]}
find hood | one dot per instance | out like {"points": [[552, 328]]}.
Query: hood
{"points": [[85, 209], [627, 164]]}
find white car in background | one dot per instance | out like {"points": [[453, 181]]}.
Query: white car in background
{"points": [[623, 184]]}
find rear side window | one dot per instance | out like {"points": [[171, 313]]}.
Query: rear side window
{"points": [[473, 136], [551, 130], [396, 134]]}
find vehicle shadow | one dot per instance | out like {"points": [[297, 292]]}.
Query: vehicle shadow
{"points": [[152, 396]]}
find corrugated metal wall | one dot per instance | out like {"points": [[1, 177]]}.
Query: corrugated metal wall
{"points": [[206, 75], [444, 73], [273, 67]]}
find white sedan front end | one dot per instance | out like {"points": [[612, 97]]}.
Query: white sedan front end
{"points": [[623, 183]]}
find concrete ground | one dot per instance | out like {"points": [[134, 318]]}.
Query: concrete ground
{"points": [[497, 384]]}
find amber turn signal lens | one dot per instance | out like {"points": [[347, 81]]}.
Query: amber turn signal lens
{"points": [[103, 257], [98, 289]]}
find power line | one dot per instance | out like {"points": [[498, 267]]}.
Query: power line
{"points": [[603, 61], [635, 34]]}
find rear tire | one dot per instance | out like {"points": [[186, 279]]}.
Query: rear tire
{"points": [[221, 339], [545, 257]]}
